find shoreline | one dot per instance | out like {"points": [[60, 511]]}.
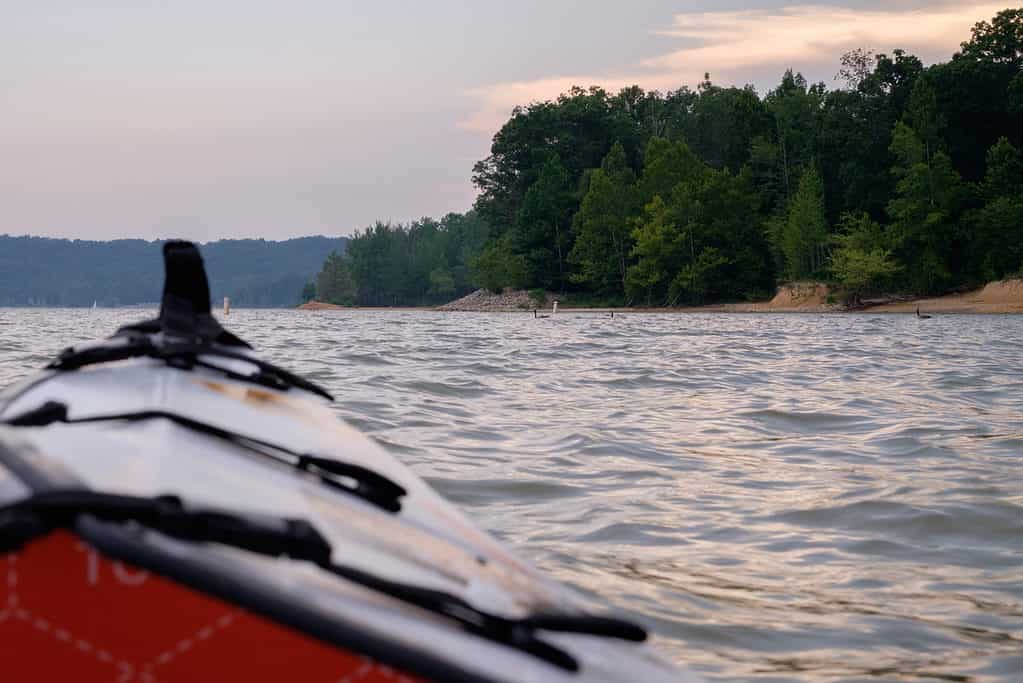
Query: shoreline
{"points": [[1000, 297]]}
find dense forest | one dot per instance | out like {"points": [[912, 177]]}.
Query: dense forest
{"points": [[905, 178], [37, 271]]}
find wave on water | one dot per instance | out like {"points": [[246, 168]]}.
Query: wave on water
{"points": [[789, 498]]}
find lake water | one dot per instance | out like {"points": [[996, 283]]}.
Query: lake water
{"points": [[780, 497]]}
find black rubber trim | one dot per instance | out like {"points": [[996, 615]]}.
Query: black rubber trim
{"points": [[184, 355], [250, 594], [371, 486]]}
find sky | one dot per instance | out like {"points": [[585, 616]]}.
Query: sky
{"points": [[253, 118]]}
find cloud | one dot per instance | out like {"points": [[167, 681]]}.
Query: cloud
{"points": [[733, 44]]}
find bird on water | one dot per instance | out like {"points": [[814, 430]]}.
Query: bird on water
{"points": [[923, 316]]}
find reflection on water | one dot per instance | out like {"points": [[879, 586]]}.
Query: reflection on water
{"points": [[782, 498]]}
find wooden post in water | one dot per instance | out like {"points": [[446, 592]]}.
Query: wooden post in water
{"points": [[227, 306]]}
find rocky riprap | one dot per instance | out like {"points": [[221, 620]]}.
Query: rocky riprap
{"points": [[489, 302]]}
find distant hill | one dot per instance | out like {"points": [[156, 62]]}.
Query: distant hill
{"points": [[39, 271]]}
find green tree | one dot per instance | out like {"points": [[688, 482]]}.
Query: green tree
{"points": [[805, 232], [998, 224], [496, 267], [579, 128], [974, 92], [704, 243], [999, 41], [722, 255], [796, 108], [863, 260], [542, 234], [924, 212], [666, 164], [442, 283], [658, 241], [422, 262], [334, 284], [603, 236], [722, 123], [924, 117]]}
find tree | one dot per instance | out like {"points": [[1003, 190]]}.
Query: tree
{"points": [[974, 92], [924, 117], [998, 41], [334, 284], [804, 235], [863, 260], [722, 122], [422, 262], [929, 194], [658, 241], [796, 110], [666, 164], [579, 128], [496, 267], [857, 66], [704, 243], [442, 283], [603, 240], [998, 225], [860, 271], [542, 232]]}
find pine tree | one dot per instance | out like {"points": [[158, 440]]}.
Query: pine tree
{"points": [[805, 232]]}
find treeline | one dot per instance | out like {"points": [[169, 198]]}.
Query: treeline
{"points": [[38, 271], [422, 263], [906, 178]]}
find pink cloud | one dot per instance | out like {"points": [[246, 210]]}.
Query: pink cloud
{"points": [[730, 44]]}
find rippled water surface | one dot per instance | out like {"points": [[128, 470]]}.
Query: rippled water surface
{"points": [[782, 498]]}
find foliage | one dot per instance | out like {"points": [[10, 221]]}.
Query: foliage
{"points": [[704, 243], [541, 234], [658, 242], [538, 297], [334, 283], [997, 225], [705, 195], [496, 267], [804, 235], [928, 199], [602, 235], [424, 262], [863, 261]]}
